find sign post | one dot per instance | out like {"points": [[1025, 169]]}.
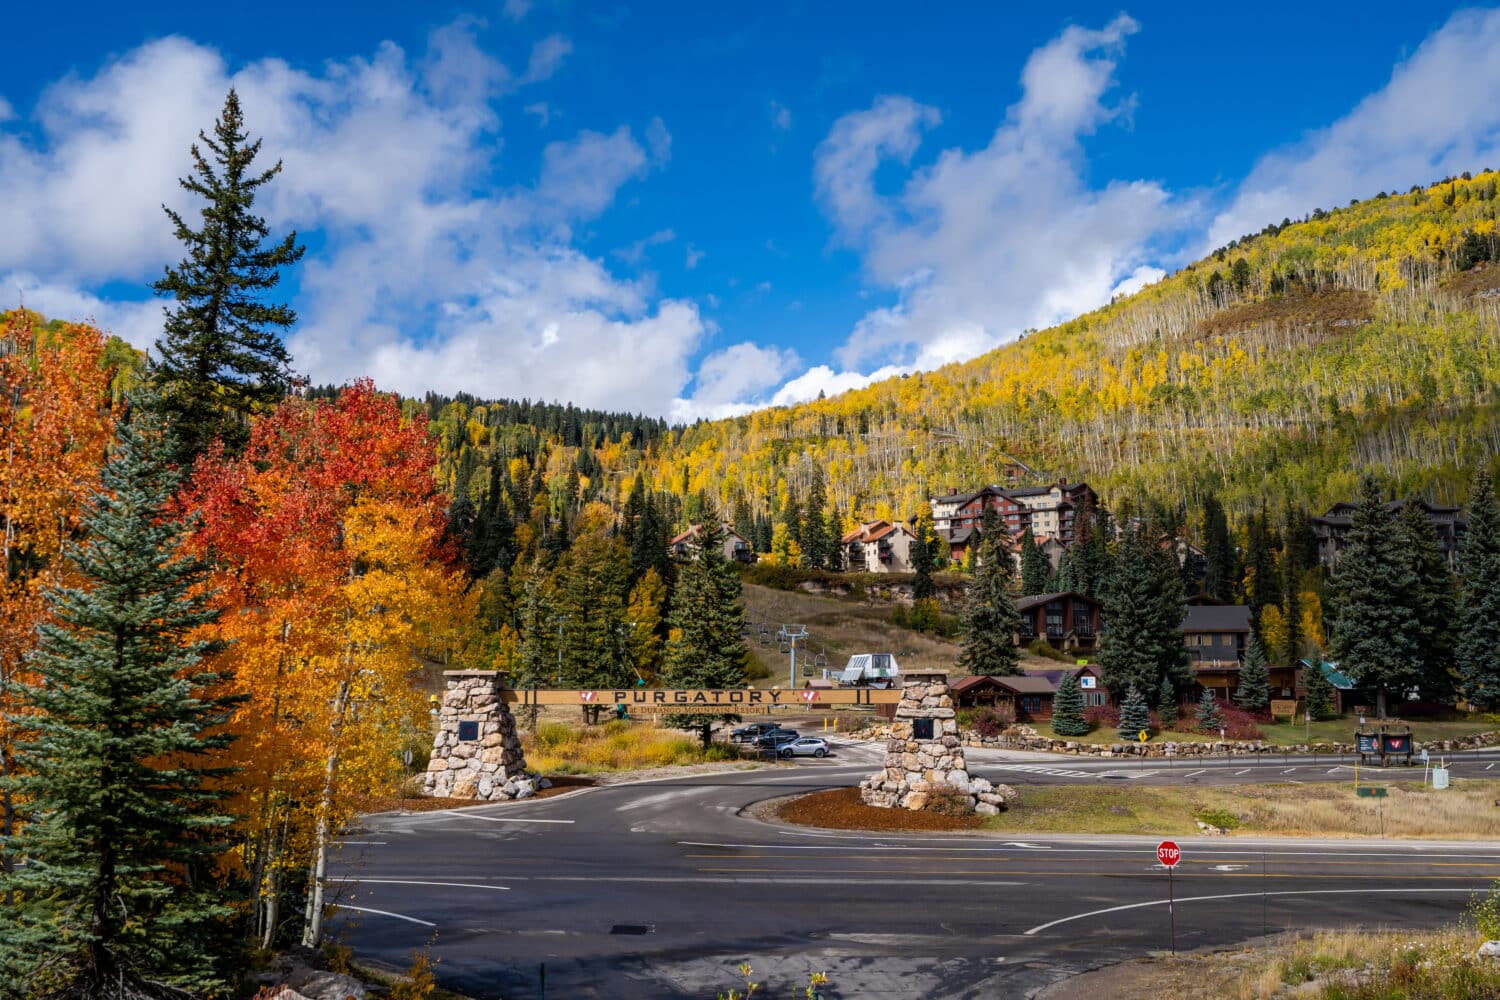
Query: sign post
{"points": [[1168, 854]]}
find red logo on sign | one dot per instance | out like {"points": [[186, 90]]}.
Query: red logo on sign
{"points": [[1167, 853], [587, 695], [809, 695]]}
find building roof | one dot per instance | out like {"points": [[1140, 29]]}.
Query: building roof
{"points": [[1027, 603], [1337, 678], [1028, 684], [872, 531], [974, 681], [1216, 618], [695, 529]]}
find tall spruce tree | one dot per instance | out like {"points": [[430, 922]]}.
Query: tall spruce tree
{"points": [[706, 649], [1218, 552], [922, 587], [1477, 648], [989, 619], [1209, 718], [222, 357], [1254, 691], [1034, 566], [1067, 708], [1375, 633], [1135, 715], [1433, 600], [1145, 609], [1318, 691], [122, 822], [1166, 703]]}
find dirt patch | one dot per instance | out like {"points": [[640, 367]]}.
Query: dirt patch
{"points": [[1194, 975], [841, 809], [561, 785], [1481, 279], [1333, 308]]}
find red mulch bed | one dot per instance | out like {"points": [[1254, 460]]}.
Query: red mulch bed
{"points": [[841, 809], [561, 785]]}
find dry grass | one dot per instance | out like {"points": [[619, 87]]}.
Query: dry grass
{"points": [[557, 748], [1466, 811]]}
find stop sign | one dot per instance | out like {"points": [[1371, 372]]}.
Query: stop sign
{"points": [[1167, 853]]}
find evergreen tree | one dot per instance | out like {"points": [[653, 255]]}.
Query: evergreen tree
{"points": [[1092, 563], [922, 587], [1135, 715], [1166, 703], [1145, 608], [122, 827], [1477, 649], [816, 548], [1433, 600], [1034, 565], [635, 508], [990, 620], [1254, 691], [1209, 719], [1218, 552], [1375, 630], [1318, 691], [1067, 708], [1293, 619], [1262, 583], [706, 649], [222, 358]]}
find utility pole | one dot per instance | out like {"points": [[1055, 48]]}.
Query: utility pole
{"points": [[790, 634]]}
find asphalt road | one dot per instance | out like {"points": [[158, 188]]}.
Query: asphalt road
{"points": [[660, 889]]}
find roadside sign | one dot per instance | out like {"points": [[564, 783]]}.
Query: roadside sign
{"points": [[808, 696], [1143, 736], [1370, 792], [1168, 853], [588, 696], [406, 756], [1424, 756]]}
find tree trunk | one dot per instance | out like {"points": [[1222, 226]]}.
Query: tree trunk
{"points": [[1380, 703], [312, 929]]}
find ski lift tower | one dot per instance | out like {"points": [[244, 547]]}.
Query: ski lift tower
{"points": [[789, 635]]}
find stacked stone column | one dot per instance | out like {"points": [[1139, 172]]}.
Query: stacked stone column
{"points": [[918, 766], [488, 767]]}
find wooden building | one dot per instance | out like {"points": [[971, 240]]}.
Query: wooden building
{"points": [[1067, 621]]}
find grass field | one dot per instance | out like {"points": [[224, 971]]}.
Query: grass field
{"points": [[1465, 811], [558, 748]]}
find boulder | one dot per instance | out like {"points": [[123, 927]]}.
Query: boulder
{"points": [[524, 788], [544, 783], [328, 986], [915, 800], [465, 787], [1490, 950], [987, 809]]}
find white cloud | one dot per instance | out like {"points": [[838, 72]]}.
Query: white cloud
{"points": [[781, 116], [1437, 116], [430, 274], [546, 56], [636, 252], [516, 10], [694, 256], [1142, 276], [541, 111], [727, 379], [821, 379], [980, 245]]}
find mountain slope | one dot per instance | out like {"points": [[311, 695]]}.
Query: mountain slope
{"points": [[1278, 368]]}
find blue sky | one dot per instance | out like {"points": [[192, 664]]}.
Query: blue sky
{"points": [[692, 212]]}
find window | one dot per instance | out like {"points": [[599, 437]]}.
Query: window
{"points": [[1055, 619], [1226, 640], [468, 732], [1032, 704], [1093, 699]]}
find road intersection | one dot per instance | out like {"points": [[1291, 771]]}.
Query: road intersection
{"points": [[660, 888]]}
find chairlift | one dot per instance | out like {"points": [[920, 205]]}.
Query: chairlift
{"points": [[786, 647], [821, 660]]}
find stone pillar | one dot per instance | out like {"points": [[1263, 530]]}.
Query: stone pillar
{"points": [[476, 753], [925, 753]]}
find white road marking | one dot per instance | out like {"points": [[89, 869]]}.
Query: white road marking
{"points": [[1488, 766], [1245, 771], [362, 843], [1229, 868], [411, 881], [1332, 769], [1219, 847], [1231, 895], [662, 798], [451, 814], [1289, 770], [801, 880], [385, 913], [1191, 773], [1057, 772]]}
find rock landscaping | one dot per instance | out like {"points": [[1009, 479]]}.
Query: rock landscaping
{"points": [[476, 753], [924, 759]]}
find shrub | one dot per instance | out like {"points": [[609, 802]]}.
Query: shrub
{"points": [[1041, 647], [1221, 818], [420, 981], [948, 801], [1102, 716], [992, 720], [1483, 912]]}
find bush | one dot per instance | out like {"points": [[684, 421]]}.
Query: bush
{"points": [[1102, 716], [949, 801], [992, 720], [1221, 818], [1237, 723], [1040, 647], [1483, 912]]}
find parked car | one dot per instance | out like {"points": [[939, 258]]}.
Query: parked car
{"points": [[752, 732], [776, 738], [805, 746]]}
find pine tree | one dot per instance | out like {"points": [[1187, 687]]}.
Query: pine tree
{"points": [[1318, 691], [706, 649], [116, 898], [1135, 715], [1477, 649], [1034, 565], [1145, 607], [1166, 703], [222, 358], [1067, 708], [1209, 719], [816, 548], [1254, 691], [1219, 573], [1433, 600], [1375, 628], [990, 620], [922, 587]]}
